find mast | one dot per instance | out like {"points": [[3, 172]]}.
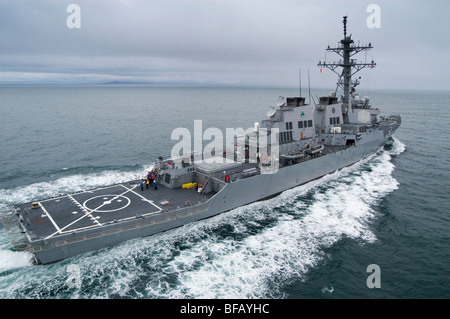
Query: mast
{"points": [[300, 81], [346, 49]]}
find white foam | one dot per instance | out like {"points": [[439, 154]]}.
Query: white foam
{"points": [[254, 267], [397, 147], [14, 259], [8, 197], [194, 261], [11, 259], [327, 290]]}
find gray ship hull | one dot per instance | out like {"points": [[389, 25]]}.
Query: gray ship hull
{"points": [[231, 196]]}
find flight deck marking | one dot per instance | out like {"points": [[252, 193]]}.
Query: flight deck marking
{"points": [[113, 199], [145, 199], [85, 211], [50, 218], [108, 201], [88, 212]]}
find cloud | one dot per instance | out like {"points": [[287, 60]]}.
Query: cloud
{"points": [[261, 42]]}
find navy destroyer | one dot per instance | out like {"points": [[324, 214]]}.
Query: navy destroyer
{"points": [[296, 143]]}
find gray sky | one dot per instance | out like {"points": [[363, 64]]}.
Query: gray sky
{"points": [[236, 42]]}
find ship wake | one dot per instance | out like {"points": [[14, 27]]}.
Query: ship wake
{"points": [[251, 252]]}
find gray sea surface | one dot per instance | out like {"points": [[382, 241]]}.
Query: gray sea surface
{"points": [[313, 241]]}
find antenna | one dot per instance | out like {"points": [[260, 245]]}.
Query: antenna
{"points": [[345, 26], [309, 88], [349, 66], [300, 81], [315, 104], [271, 112]]}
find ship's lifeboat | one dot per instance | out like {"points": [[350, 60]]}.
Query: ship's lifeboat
{"points": [[316, 150]]}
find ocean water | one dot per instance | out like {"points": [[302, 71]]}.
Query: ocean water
{"points": [[313, 241]]}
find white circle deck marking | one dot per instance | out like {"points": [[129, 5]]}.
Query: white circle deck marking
{"points": [[101, 203]]}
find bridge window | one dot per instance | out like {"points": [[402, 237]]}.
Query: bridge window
{"points": [[335, 120], [288, 125], [285, 136]]}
